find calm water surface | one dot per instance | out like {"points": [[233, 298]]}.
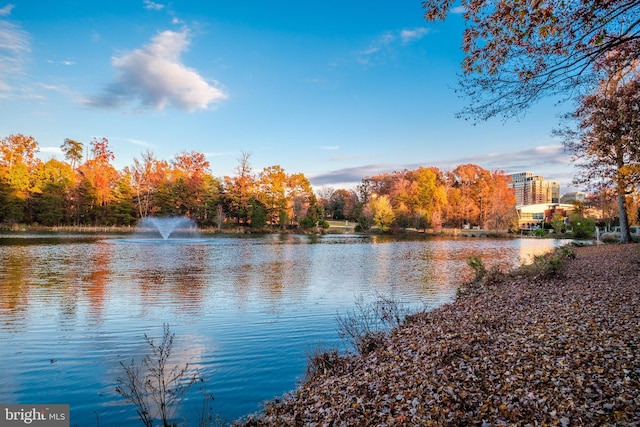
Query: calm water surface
{"points": [[245, 310]]}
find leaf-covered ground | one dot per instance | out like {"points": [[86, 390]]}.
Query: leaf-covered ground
{"points": [[526, 351]]}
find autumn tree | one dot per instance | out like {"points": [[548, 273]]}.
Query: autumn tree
{"points": [[18, 148], [517, 52], [324, 195], [239, 189], [122, 210], [146, 175], [606, 143], [343, 204], [194, 191], [272, 189], [98, 179], [53, 184], [17, 162], [72, 151], [604, 200], [301, 198], [382, 212], [12, 207], [500, 203], [430, 196], [467, 184]]}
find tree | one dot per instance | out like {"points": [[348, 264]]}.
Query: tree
{"points": [[16, 149], [383, 214], [517, 52], [12, 206], [325, 194], [466, 180], [191, 185], [53, 181], [257, 213], [272, 192], [557, 223], [146, 175], [315, 215], [98, 182], [239, 189], [606, 144], [500, 203], [300, 196], [583, 227], [72, 151], [343, 204], [123, 210]]}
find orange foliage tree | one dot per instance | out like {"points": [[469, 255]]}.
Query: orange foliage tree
{"points": [[426, 197]]}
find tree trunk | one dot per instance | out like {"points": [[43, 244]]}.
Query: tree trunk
{"points": [[625, 233]]}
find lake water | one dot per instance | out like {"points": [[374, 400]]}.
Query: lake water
{"points": [[245, 310]]}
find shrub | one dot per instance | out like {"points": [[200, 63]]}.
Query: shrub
{"points": [[322, 361], [157, 389], [483, 276], [540, 232], [550, 264], [478, 266], [364, 327], [583, 228], [307, 223]]}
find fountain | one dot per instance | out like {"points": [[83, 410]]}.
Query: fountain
{"points": [[167, 226]]}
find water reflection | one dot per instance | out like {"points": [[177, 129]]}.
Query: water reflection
{"points": [[244, 309]]}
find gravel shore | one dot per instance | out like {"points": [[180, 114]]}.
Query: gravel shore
{"points": [[524, 351]]}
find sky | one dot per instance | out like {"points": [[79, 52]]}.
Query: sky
{"points": [[337, 90]]}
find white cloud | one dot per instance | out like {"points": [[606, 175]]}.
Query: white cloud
{"points": [[148, 4], [139, 142], [458, 10], [542, 156], [330, 147], [385, 44], [54, 150], [6, 11], [219, 154], [549, 161], [155, 76], [379, 45], [407, 36], [63, 62], [14, 53]]}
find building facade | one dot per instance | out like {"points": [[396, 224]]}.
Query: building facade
{"points": [[530, 189], [534, 216]]}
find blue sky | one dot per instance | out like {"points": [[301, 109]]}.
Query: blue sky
{"points": [[337, 90]]}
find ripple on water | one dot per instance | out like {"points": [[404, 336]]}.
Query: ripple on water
{"points": [[245, 310]]}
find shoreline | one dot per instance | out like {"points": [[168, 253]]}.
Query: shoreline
{"points": [[525, 350], [242, 230]]}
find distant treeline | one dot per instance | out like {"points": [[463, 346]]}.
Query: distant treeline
{"points": [[89, 190], [427, 197]]}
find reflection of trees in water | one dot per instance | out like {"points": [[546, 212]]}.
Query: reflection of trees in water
{"points": [[179, 270], [14, 292], [270, 272]]}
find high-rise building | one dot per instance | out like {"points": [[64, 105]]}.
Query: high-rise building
{"points": [[531, 190], [573, 196]]}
